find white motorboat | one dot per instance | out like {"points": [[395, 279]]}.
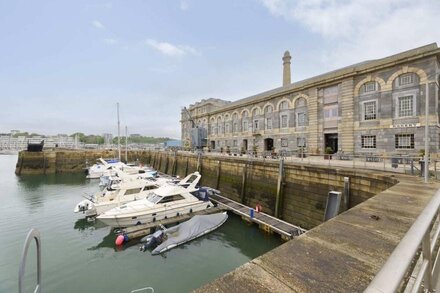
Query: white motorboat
{"points": [[119, 191], [102, 167], [105, 180], [111, 167], [168, 201]]}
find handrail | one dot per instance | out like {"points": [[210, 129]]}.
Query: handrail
{"points": [[33, 234], [393, 272]]}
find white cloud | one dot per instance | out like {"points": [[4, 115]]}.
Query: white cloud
{"points": [[110, 41], [98, 24], [357, 30], [170, 49], [184, 5]]}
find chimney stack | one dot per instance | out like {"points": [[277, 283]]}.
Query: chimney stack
{"points": [[286, 68]]}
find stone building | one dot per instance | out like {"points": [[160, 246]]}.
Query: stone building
{"points": [[376, 106]]}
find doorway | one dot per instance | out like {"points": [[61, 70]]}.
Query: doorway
{"points": [[245, 144], [331, 141], [268, 144], [212, 144]]}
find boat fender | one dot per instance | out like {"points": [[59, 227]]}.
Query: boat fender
{"points": [[190, 211], [258, 208], [138, 223], [125, 237], [119, 240]]}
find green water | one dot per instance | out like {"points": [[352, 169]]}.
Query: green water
{"points": [[78, 256]]}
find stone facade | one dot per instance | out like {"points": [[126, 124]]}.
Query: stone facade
{"points": [[376, 106]]}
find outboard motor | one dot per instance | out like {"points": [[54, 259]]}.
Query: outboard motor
{"points": [[154, 240]]}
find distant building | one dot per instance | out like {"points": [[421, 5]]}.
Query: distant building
{"points": [[14, 132], [108, 138], [135, 135], [376, 106], [173, 144]]}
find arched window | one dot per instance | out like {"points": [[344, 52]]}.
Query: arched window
{"points": [[255, 112], [301, 102], [284, 105], [235, 116], [268, 109]]}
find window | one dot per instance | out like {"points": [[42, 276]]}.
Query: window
{"points": [[283, 121], [234, 143], [301, 117], [368, 141], [175, 197], [213, 129], [227, 128], [301, 141], [150, 187], [405, 106], [269, 123], [268, 109], [132, 191], [234, 116], [331, 112], [245, 126], [405, 79], [284, 142], [235, 127], [256, 124], [370, 110], [370, 87], [255, 112], [404, 141], [284, 105]]}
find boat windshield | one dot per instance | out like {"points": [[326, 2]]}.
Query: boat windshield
{"points": [[154, 198]]}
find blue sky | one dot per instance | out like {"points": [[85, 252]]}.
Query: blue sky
{"points": [[65, 64]]}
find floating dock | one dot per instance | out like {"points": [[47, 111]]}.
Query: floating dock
{"points": [[265, 221]]}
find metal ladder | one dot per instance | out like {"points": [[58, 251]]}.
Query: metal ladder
{"points": [[33, 234]]}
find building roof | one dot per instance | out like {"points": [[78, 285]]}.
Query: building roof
{"points": [[366, 66]]}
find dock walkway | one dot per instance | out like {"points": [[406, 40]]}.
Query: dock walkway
{"points": [[269, 223]]}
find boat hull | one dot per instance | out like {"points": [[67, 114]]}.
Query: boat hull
{"points": [[154, 215]]}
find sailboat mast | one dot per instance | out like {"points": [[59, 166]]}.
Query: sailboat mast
{"points": [[126, 145], [119, 134]]}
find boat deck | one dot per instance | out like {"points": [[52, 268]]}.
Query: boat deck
{"points": [[269, 223]]}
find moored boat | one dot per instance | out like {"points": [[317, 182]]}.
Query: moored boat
{"points": [[168, 201]]}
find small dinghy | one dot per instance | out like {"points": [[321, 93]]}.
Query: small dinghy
{"points": [[197, 226]]}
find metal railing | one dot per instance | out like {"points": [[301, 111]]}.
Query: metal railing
{"points": [[421, 237], [33, 234]]}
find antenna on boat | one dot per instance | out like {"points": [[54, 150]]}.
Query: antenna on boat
{"points": [[126, 145], [119, 134]]}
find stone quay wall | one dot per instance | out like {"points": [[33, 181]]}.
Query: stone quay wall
{"points": [[301, 190]]}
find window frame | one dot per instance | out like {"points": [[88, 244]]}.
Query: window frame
{"points": [[365, 145], [397, 141], [364, 109], [287, 120]]}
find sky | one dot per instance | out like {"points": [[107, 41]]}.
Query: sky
{"points": [[65, 64]]}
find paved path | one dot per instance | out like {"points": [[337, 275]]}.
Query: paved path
{"points": [[340, 255]]}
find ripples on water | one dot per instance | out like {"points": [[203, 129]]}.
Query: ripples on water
{"points": [[81, 256]]}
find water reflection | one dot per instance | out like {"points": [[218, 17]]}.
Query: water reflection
{"points": [[83, 224], [33, 182]]}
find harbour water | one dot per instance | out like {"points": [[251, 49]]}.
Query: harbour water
{"points": [[79, 256]]}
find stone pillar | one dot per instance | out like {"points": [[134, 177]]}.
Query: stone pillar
{"points": [[286, 68], [346, 124], [312, 104]]}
